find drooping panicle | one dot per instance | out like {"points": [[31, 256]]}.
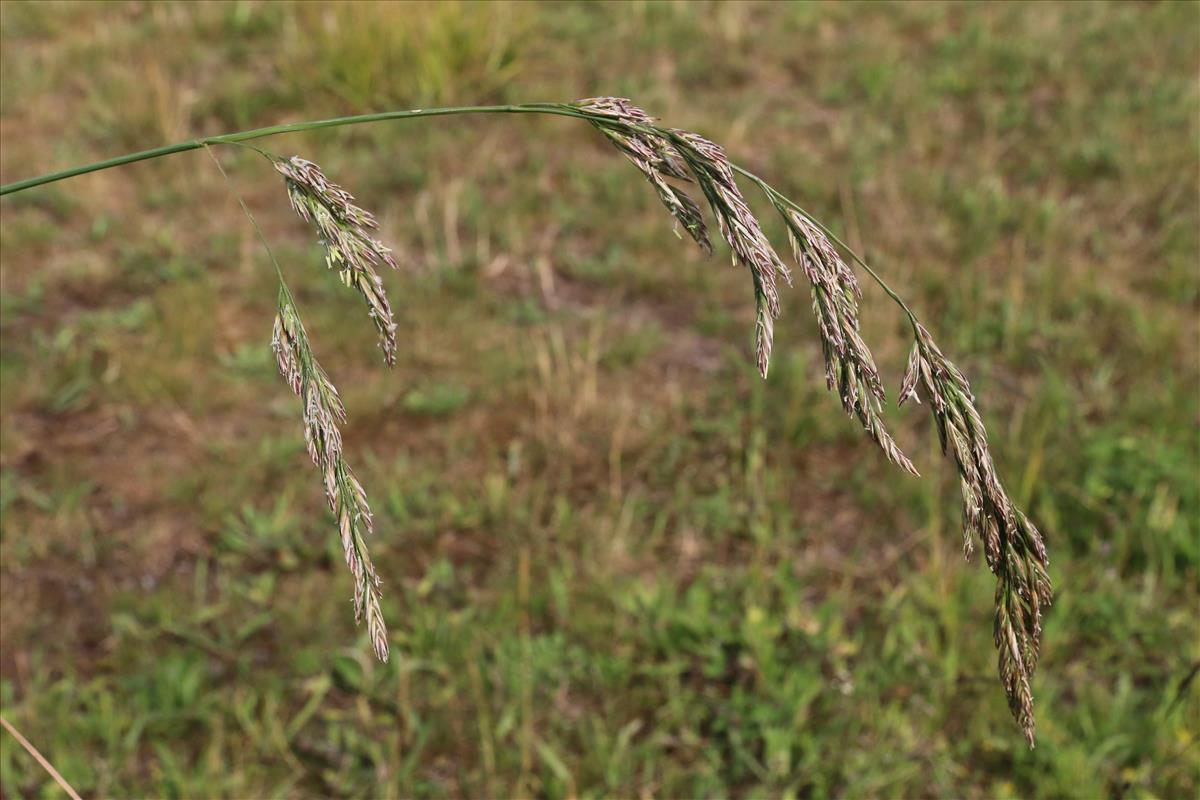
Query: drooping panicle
{"points": [[1013, 547], [849, 366], [323, 412], [342, 228]]}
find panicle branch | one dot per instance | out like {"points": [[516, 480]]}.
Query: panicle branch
{"points": [[1013, 547], [323, 413], [660, 154], [342, 228], [631, 130]]}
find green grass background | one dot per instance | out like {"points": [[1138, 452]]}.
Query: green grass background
{"points": [[617, 564]]}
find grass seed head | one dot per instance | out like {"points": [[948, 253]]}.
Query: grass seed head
{"points": [[1013, 547]]}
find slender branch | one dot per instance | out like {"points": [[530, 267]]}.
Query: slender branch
{"points": [[274, 130], [283, 287]]}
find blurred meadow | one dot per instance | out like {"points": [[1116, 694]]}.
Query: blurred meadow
{"points": [[616, 562]]}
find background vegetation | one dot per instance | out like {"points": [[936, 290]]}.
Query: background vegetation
{"points": [[617, 563]]}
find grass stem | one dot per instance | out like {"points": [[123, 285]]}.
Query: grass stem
{"points": [[41, 759]]}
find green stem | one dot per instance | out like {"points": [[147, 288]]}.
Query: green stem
{"points": [[526, 108], [283, 287], [274, 130]]}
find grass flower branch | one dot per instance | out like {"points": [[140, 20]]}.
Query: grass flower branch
{"points": [[342, 230], [1013, 548], [323, 414]]}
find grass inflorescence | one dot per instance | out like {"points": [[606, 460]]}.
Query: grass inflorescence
{"points": [[727, 592], [1013, 546]]}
